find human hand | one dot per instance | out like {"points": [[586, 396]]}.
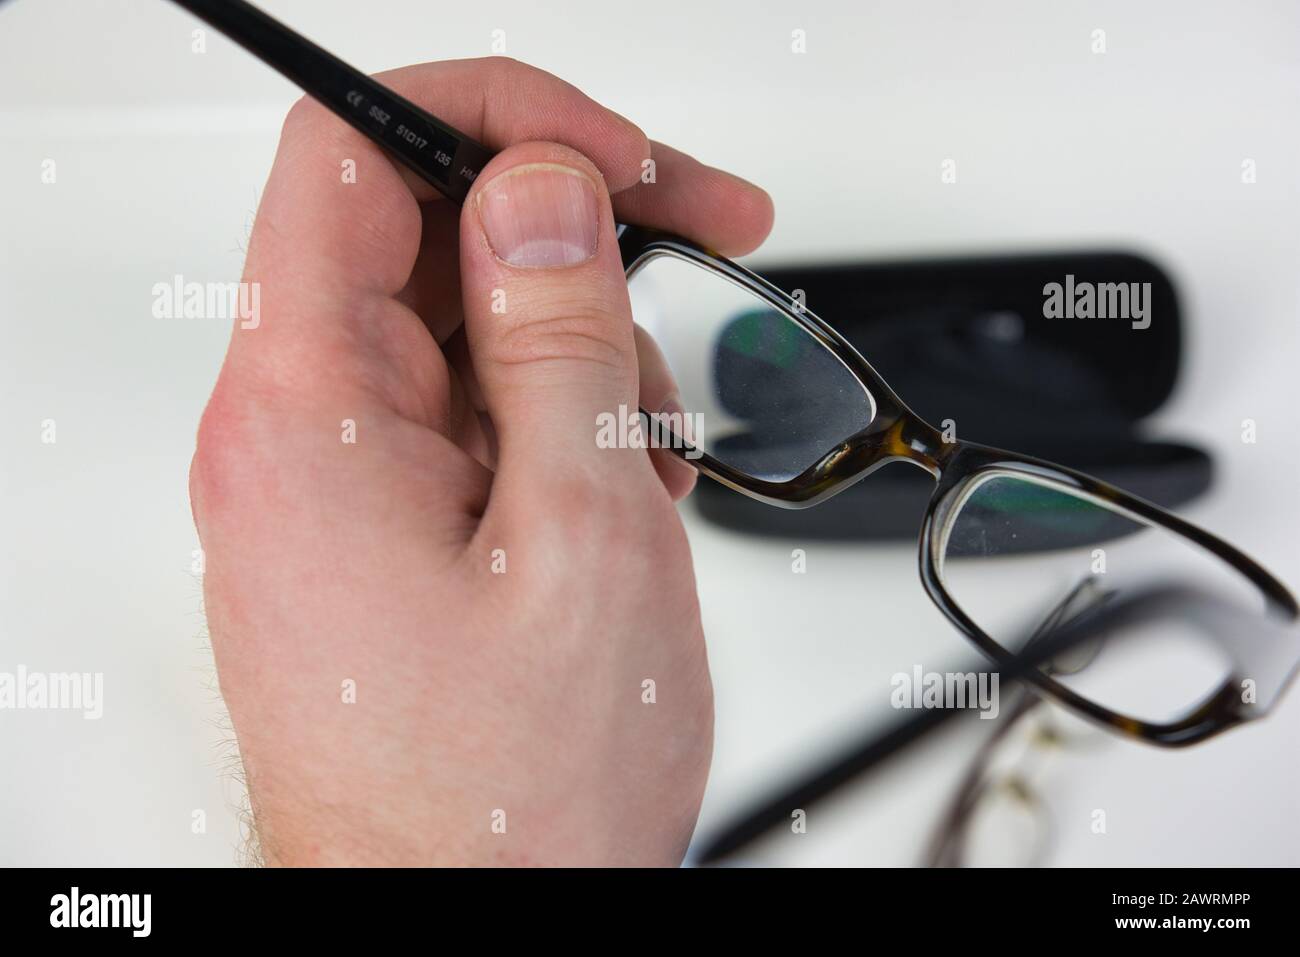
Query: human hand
{"points": [[370, 569]]}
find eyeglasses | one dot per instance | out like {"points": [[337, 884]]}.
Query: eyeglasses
{"points": [[998, 816], [783, 409]]}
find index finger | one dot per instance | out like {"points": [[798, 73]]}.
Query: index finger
{"points": [[337, 215], [363, 231]]}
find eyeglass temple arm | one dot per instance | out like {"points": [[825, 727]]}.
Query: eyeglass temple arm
{"points": [[443, 156], [945, 848]]}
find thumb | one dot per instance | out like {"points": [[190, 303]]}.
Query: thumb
{"points": [[548, 321]]}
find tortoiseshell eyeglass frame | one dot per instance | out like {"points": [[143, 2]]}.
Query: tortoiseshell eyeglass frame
{"points": [[897, 434]]}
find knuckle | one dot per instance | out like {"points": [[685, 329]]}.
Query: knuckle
{"points": [[500, 64], [576, 332], [227, 461], [304, 117], [500, 78], [505, 75], [309, 128]]}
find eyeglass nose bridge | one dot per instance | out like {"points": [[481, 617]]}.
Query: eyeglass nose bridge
{"points": [[897, 434]]}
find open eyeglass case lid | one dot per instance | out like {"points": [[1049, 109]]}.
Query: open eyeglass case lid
{"points": [[979, 344]]}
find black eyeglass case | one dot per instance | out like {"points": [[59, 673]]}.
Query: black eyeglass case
{"points": [[1058, 356]]}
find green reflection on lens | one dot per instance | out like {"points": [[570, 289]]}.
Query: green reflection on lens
{"points": [[766, 335], [1045, 506]]}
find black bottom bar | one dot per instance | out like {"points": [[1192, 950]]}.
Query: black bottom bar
{"points": [[917, 907]]}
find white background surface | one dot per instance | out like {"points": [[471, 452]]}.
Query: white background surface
{"points": [[161, 154]]}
